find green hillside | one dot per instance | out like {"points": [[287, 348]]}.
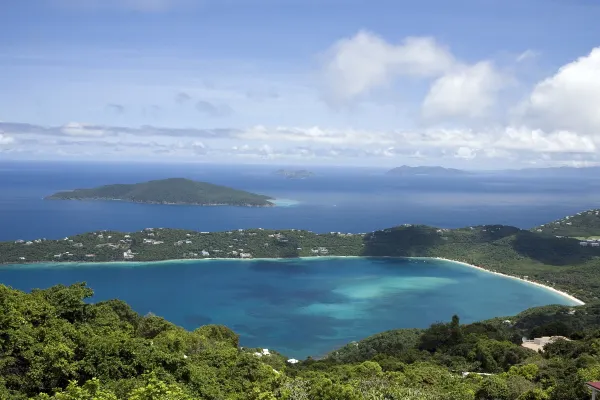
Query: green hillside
{"points": [[581, 225], [168, 191], [56, 344], [560, 262]]}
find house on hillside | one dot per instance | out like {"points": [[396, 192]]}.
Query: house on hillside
{"points": [[595, 386], [537, 344]]}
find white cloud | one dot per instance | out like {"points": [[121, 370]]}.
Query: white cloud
{"points": [[316, 134], [569, 100], [540, 141], [6, 140], [355, 65], [467, 91], [466, 153], [77, 129]]}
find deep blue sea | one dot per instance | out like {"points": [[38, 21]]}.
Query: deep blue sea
{"points": [[298, 307], [336, 199]]}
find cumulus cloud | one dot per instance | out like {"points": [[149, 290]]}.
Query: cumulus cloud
{"points": [[568, 100], [213, 110], [467, 91], [6, 140], [354, 66]]}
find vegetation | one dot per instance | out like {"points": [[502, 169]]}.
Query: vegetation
{"points": [[406, 170], [581, 225], [168, 191], [559, 262], [56, 345]]}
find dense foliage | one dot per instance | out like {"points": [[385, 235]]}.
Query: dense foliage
{"points": [[168, 191], [56, 345], [581, 225], [557, 261]]}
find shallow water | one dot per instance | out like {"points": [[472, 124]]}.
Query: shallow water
{"points": [[299, 307]]}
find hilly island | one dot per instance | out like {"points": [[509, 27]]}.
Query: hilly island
{"points": [[169, 191]]}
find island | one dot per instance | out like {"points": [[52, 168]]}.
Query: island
{"points": [[169, 191], [295, 174], [406, 170]]}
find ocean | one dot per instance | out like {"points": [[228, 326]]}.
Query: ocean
{"points": [[337, 199], [298, 307]]}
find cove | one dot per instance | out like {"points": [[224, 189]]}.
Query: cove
{"points": [[299, 307]]}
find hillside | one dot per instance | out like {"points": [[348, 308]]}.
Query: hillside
{"points": [[57, 344], [543, 258], [581, 225], [406, 170], [168, 191]]}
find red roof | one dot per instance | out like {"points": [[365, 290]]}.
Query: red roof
{"points": [[594, 385]]}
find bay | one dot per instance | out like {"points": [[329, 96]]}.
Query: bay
{"points": [[298, 307]]}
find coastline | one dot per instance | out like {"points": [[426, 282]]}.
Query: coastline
{"points": [[546, 287], [550, 288]]}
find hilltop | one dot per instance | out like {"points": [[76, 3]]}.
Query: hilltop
{"points": [[169, 191], [581, 225], [406, 170]]}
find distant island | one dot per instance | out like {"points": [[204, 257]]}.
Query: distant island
{"points": [[169, 191], [295, 174], [406, 170]]}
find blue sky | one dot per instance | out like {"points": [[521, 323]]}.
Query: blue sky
{"points": [[467, 83]]}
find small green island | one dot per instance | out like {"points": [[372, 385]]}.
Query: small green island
{"points": [[169, 191], [295, 174]]}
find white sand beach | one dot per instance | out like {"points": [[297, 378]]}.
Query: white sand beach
{"points": [[566, 295]]}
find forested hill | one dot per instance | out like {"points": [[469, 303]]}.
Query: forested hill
{"points": [[57, 345], [581, 225], [540, 257], [169, 191]]}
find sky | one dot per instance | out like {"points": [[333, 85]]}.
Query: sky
{"points": [[474, 84]]}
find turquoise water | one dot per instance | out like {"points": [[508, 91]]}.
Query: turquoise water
{"points": [[299, 307]]}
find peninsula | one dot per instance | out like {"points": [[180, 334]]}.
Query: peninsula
{"points": [[169, 191], [406, 170], [565, 263]]}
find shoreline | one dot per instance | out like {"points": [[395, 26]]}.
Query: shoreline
{"points": [[549, 288], [546, 287]]}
